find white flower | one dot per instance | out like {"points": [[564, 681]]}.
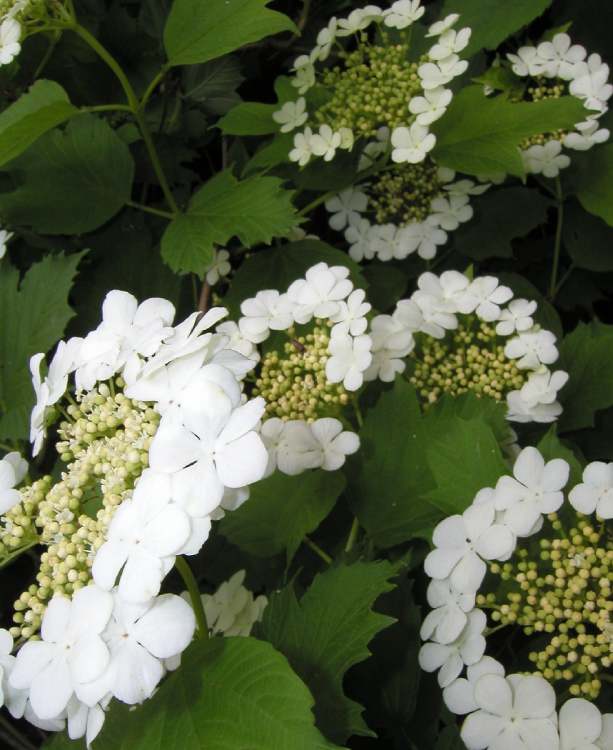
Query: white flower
{"points": [[484, 297], [451, 658], [70, 654], [580, 725], [302, 150], [349, 358], [527, 62], [466, 187], [589, 135], [13, 469], [459, 697], [304, 77], [127, 329], [346, 208], [411, 144], [433, 75], [11, 697], [291, 446], [325, 142], [85, 721], [390, 241], [447, 289], [534, 489], [232, 610], [4, 238], [325, 40], [595, 493], [450, 212], [448, 617], [219, 268], [143, 537], [358, 20], [593, 88], [515, 712], [334, 443], [267, 311], [403, 13], [560, 58], [532, 348], [351, 315], [359, 235], [546, 160], [517, 316], [439, 27], [536, 399], [462, 543], [431, 105], [237, 342], [449, 43], [10, 34], [423, 237], [392, 341], [421, 313], [319, 293], [291, 115]]}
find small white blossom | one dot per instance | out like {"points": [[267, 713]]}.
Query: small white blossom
{"points": [[346, 208], [334, 443], [546, 160], [351, 315], [319, 293], [536, 399], [433, 75], [450, 212], [325, 142], [422, 313], [358, 19], [13, 469], [237, 342], [325, 39], [304, 77], [517, 316], [593, 88], [232, 610], [431, 106], [292, 115], [391, 342], [403, 13], [459, 697], [560, 57], [267, 311], [449, 43], [423, 237], [302, 150], [484, 297], [359, 235], [10, 34], [447, 289], [219, 268], [532, 348], [349, 359], [411, 144], [595, 493], [589, 134], [527, 62], [291, 446], [448, 616], [439, 27]]}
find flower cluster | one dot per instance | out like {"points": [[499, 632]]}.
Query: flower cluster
{"points": [[306, 382], [157, 439], [562, 592], [458, 334], [347, 94], [552, 69]]}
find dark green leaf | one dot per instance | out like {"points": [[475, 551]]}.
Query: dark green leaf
{"points": [[198, 31], [587, 239], [546, 314], [249, 118], [213, 84], [552, 447], [594, 186], [327, 632]]}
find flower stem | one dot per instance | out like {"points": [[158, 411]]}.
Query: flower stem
{"points": [[152, 86], [194, 594], [150, 210], [17, 553], [353, 535], [56, 36], [318, 550], [558, 239]]}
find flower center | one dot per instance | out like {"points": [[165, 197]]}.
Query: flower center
{"points": [[403, 196]]}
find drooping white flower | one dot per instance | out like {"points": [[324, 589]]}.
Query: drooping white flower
{"points": [[484, 297], [589, 134], [13, 469], [439, 27], [4, 238], [560, 57], [459, 697], [358, 19], [304, 77], [546, 160], [319, 293], [10, 34], [70, 654], [433, 75], [516, 316], [302, 150], [448, 616], [532, 348], [335, 444], [595, 493], [580, 725], [450, 658], [450, 42], [462, 543], [351, 315], [292, 115], [450, 212], [219, 268], [431, 106], [233, 610], [325, 39], [412, 144], [423, 237], [514, 712], [403, 13], [593, 88], [349, 359], [346, 208], [536, 399], [534, 490], [359, 236], [527, 62], [325, 142], [267, 311]]}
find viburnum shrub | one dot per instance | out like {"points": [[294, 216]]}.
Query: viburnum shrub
{"points": [[306, 395]]}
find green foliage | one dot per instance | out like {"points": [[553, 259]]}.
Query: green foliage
{"points": [[43, 107], [196, 32], [70, 181], [587, 239], [213, 84], [326, 632], [586, 355], [594, 186], [254, 210], [228, 691], [552, 447], [481, 135], [249, 118], [34, 314], [281, 511]]}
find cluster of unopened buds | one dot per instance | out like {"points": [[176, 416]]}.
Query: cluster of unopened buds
{"points": [[563, 592], [375, 85], [554, 68]]}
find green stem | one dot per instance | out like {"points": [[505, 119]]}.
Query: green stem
{"points": [[489, 631], [150, 210], [564, 278], [107, 108], [353, 535], [152, 86], [17, 553], [194, 594], [358, 412], [48, 52], [558, 239], [318, 550], [317, 202]]}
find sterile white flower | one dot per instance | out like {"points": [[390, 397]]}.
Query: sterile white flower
{"points": [[325, 39], [484, 297], [13, 469], [446, 289], [291, 446], [319, 293], [358, 20], [349, 359], [560, 57], [291, 115], [448, 616], [450, 212], [237, 342], [359, 236], [11, 697], [422, 237], [431, 106], [325, 142], [516, 316], [593, 88], [233, 610], [219, 268], [412, 144], [302, 150], [351, 315], [421, 313], [450, 658], [346, 208], [334, 443], [70, 654], [391, 342], [403, 13], [536, 399], [515, 712], [267, 311], [439, 27], [527, 62], [85, 721], [588, 135], [432, 75], [459, 697], [580, 724], [10, 34], [546, 160], [304, 77], [532, 348], [595, 493], [449, 43], [4, 238], [534, 489]]}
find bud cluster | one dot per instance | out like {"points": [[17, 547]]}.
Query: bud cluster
{"points": [[293, 382], [404, 195], [471, 358], [565, 593], [17, 527], [371, 87]]}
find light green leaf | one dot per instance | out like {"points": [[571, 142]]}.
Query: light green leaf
{"points": [[585, 354], [34, 315], [327, 632], [281, 510], [480, 134], [198, 31], [587, 239], [249, 118], [493, 21], [70, 181], [229, 693], [254, 210], [44, 106], [594, 185]]}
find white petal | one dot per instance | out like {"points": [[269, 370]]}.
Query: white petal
{"points": [[534, 698], [51, 690], [242, 462], [167, 627]]}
